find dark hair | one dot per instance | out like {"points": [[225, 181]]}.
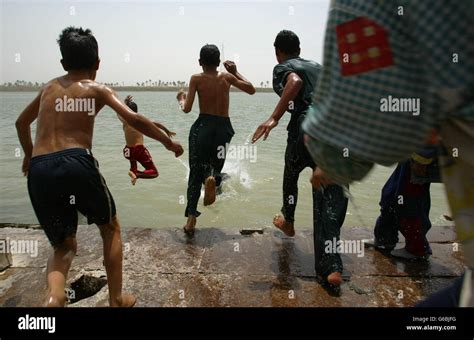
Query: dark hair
{"points": [[79, 49], [210, 55], [131, 104], [287, 42]]}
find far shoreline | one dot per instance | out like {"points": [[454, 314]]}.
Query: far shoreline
{"points": [[126, 89]]}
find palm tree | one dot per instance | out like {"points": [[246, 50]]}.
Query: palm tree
{"points": [[268, 83]]}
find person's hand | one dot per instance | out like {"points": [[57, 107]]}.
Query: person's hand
{"points": [[230, 66], [181, 95], [176, 148], [26, 165], [419, 169], [319, 179], [128, 99], [170, 134], [264, 129]]}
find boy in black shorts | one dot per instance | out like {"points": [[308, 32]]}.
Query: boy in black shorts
{"points": [[63, 176]]}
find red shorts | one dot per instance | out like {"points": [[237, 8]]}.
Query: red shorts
{"points": [[140, 154]]}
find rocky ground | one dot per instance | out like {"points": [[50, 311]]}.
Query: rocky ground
{"points": [[222, 267]]}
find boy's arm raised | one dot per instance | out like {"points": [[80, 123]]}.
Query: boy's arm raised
{"points": [[237, 79], [23, 123], [139, 122]]}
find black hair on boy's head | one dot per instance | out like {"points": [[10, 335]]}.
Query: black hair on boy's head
{"points": [[79, 49], [210, 55], [131, 104], [287, 42]]}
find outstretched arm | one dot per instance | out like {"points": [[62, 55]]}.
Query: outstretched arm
{"points": [[186, 100], [139, 122], [292, 87], [23, 123], [165, 129], [237, 79]]}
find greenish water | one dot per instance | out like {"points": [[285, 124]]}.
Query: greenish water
{"points": [[251, 196]]}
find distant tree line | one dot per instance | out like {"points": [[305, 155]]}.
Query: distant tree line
{"points": [[27, 85]]}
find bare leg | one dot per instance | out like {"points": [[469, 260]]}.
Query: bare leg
{"points": [[113, 264], [209, 191], [287, 227], [133, 177], [190, 226], [59, 263]]}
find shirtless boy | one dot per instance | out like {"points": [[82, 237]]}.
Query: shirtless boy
{"points": [[212, 130], [135, 151], [63, 176]]}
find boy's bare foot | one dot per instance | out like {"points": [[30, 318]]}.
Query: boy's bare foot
{"points": [[287, 227], [126, 300], [209, 191], [335, 279], [190, 226], [54, 301], [133, 177]]}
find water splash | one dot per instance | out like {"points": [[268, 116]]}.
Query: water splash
{"points": [[186, 166], [237, 169], [357, 211]]}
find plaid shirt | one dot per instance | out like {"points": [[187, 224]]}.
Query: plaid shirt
{"points": [[418, 50]]}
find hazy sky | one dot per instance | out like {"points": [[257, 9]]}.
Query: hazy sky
{"points": [[159, 39]]}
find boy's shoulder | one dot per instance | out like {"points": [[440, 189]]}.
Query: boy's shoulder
{"points": [[299, 66], [84, 88], [201, 75], [62, 81], [50, 84]]}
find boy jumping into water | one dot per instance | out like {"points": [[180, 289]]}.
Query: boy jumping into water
{"points": [[212, 131], [135, 151], [63, 175], [294, 80]]}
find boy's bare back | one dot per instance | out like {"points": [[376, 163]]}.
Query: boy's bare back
{"points": [[213, 92], [213, 89], [60, 125]]}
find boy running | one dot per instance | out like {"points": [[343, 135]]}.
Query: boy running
{"points": [[135, 151], [212, 131], [294, 80], [63, 175]]}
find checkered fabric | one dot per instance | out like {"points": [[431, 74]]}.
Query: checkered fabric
{"points": [[376, 50]]}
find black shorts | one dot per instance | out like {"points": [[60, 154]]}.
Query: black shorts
{"points": [[62, 183]]}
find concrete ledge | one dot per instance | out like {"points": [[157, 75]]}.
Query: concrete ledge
{"points": [[221, 267]]}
